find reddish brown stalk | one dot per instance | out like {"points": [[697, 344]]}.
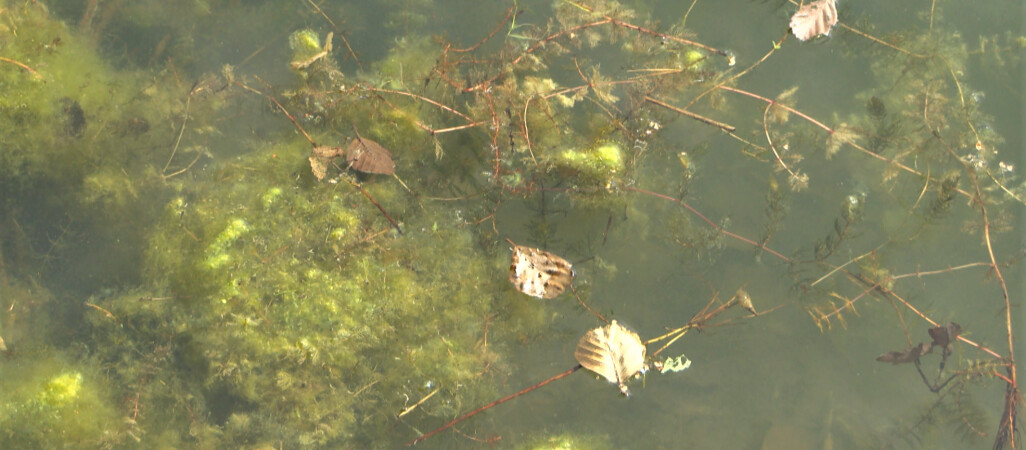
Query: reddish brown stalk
{"points": [[490, 405], [421, 98], [1006, 430], [585, 305], [375, 202], [606, 20], [710, 222], [686, 113], [282, 108], [819, 124], [22, 65], [509, 13]]}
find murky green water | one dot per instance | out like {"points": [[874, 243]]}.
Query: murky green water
{"points": [[240, 302]]}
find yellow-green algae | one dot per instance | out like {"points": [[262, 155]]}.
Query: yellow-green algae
{"points": [[50, 403], [598, 166], [298, 315]]}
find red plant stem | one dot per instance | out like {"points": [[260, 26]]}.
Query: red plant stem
{"points": [[509, 13], [710, 222], [22, 65], [375, 202], [419, 97], [490, 405], [282, 108], [779, 105]]}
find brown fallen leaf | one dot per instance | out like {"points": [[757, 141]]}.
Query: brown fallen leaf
{"points": [[613, 352], [814, 19], [365, 155]]}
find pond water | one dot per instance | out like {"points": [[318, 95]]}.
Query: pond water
{"points": [[656, 240]]}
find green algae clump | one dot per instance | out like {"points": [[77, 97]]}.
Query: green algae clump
{"points": [[61, 389], [42, 410], [299, 315], [598, 166]]}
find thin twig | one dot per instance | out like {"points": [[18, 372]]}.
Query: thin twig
{"points": [[492, 404]]}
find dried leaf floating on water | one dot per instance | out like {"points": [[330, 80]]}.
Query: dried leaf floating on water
{"points": [[539, 273], [613, 352], [814, 19], [367, 156]]}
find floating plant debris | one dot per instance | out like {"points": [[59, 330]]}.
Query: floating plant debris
{"points": [[539, 273], [322, 155], [745, 301], [814, 19], [942, 336], [905, 356], [945, 335], [613, 352]]}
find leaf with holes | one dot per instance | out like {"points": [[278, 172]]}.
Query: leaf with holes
{"points": [[539, 273]]}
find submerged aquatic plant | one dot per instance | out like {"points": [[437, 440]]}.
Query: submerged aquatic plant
{"points": [[273, 305]]}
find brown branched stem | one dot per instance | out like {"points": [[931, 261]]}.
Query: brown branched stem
{"points": [[585, 305], [686, 113], [492, 404], [854, 145], [1006, 430], [420, 98], [699, 321], [509, 14], [669, 37], [376, 204], [23, 66], [282, 108], [605, 20], [871, 286]]}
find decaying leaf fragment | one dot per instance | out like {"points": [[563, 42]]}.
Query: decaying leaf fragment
{"points": [[320, 157], [678, 364], [613, 352], [814, 19], [745, 301], [908, 355], [944, 336], [539, 273]]}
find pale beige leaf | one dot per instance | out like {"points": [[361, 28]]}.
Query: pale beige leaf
{"points": [[318, 168], [814, 19], [613, 352]]}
